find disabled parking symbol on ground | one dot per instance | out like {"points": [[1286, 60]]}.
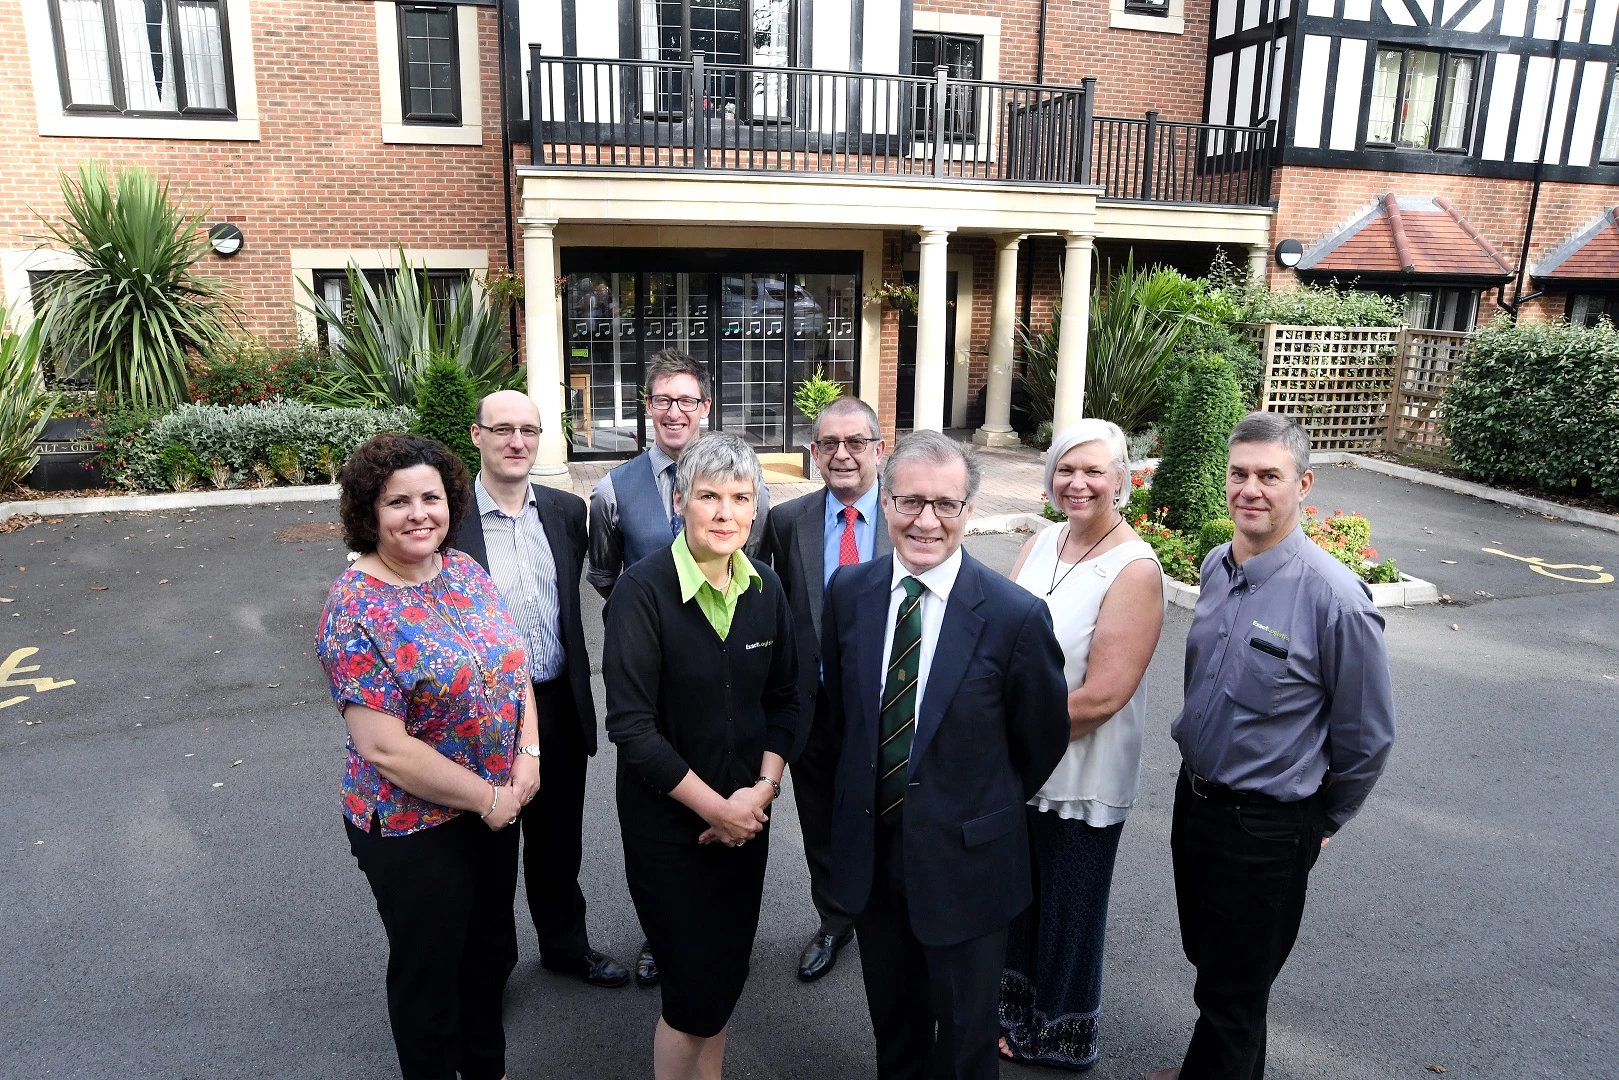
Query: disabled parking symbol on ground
{"points": [[12, 667], [1599, 576]]}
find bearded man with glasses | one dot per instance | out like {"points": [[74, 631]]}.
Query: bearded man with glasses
{"points": [[806, 541], [946, 702], [632, 510]]}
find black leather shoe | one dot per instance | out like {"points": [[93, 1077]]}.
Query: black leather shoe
{"points": [[646, 966], [820, 954], [597, 969]]}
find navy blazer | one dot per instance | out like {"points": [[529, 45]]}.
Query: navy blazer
{"points": [[562, 515], [990, 729]]}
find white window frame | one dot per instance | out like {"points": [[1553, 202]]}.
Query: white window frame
{"points": [[54, 120], [1173, 23], [305, 261], [394, 129], [15, 266]]}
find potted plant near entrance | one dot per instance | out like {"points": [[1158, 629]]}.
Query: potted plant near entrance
{"points": [[812, 396]]}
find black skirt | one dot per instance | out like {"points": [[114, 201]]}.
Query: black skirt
{"points": [[699, 908]]}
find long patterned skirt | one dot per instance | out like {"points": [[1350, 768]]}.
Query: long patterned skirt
{"points": [[1051, 988]]}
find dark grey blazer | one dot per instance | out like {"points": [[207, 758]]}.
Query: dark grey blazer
{"points": [[795, 546], [562, 515]]}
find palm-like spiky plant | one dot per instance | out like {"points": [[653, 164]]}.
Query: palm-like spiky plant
{"points": [[136, 308], [388, 336], [25, 404]]}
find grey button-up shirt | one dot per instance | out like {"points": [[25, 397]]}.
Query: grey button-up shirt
{"points": [[525, 575], [1287, 679]]}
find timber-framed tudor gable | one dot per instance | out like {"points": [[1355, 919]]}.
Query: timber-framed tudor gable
{"points": [[1327, 71]]}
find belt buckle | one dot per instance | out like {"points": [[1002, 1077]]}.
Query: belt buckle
{"points": [[1198, 785]]}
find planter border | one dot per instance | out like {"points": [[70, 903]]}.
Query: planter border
{"points": [[1543, 507], [170, 500], [1407, 592]]}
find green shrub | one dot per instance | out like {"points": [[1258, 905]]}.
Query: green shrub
{"points": [[1538, 403], [1190, 480], [446, 405], [815, 393], [1177, 552], [283, 458], [387, 336], [1238, 349], [1051, 513], [236, 441], [25, 404], [1214, 532], [178, 466], [137, 309], [1348, 538], [244, 371]]}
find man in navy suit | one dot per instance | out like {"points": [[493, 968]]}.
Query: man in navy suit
{"points": [[944, 691], [531, 539]]}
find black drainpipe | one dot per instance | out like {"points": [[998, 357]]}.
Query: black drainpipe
{"points": [[506, 162], [1518, 297]]}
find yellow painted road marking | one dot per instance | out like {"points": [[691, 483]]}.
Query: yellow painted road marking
{"points": [[13, 700], [1541, 566]]}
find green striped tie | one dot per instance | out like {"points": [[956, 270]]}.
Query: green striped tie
{"points": [[898, 720]]}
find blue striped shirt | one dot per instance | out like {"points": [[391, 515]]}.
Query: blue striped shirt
{"points": [[525, 574]]}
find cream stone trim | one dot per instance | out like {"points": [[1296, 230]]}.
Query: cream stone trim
{"points": [[305, 261], [987, 27], [15, 265], [392, 112], [1173, 23], [956, 408], [53, 121], [1184, 223]]}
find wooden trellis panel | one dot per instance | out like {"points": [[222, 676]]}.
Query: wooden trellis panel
{"points": [[1429, 360], [1335, 380]]}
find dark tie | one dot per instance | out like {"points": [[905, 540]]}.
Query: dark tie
{"points": [[675, 521], [897, 723], [848, 550]]}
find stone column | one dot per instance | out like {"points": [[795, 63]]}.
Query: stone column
{"points": [[997, 429], [931, 312], [1073, 332], [1258, 263], [542, 327]]}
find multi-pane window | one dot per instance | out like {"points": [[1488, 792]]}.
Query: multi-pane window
{"points": [[1147, 7], [1422, 100], [1588, 309], [1441, 309], [1610, 132], [963, 57], [429, 64], [728, 33], [143, 57], [443, 287]]}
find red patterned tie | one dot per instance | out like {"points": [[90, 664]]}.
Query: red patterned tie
{"points": [[848, 553]]}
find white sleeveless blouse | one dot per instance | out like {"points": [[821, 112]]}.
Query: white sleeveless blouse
{"points": [[1099, 775]]}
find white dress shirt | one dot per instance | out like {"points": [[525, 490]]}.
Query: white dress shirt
{"points": [[937, 584]]}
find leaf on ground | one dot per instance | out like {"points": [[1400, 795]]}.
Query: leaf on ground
{"points": [[98, 588], [1435, 1068], [235, 763], [65, 633], [220, 784], [162, 581], [1453, 626], [1448, 562], [8, 599]]}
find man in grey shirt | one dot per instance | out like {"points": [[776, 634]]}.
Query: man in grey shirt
{"points": [[1288, 719]]}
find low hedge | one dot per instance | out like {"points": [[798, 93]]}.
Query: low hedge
{"points": [[237, 445], [1538, 403]]}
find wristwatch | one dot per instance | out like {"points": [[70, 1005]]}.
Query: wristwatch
{"points": [[532, 750]]}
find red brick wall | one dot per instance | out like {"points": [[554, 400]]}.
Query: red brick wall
{"points": [[1315, 201], [320, 177], [1136, 70], [888, 358]]}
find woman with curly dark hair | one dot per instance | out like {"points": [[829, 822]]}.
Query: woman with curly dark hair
{"points": [[431, 677]]}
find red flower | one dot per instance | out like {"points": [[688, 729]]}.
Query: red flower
{"points": [[354, 804], [496, 763], [414, 614], [403, 820], [1312, 511], [357, 664], [468, 728], [513, 660], [405, 657], [1369, 552], [463, 677]]}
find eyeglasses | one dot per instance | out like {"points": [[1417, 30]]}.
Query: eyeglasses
{"points": [[664, 402], [506, 431], [856, 445], [913, 505]]}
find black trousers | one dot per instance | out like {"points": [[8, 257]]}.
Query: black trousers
{"points": [[812, 793], [552, 829], [934, 1009], [1241, 872], [445, 896]]}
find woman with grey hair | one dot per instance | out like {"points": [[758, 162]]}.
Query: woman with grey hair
{"points": [[1105, 590], [702, 702]]}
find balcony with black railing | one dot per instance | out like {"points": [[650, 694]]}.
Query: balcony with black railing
{"points": [[614, 114]]}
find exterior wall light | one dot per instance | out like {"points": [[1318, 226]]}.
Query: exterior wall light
{"points": [[225, 239], [1289, 253]]}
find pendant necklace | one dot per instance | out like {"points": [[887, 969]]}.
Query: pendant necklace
{"points": [[1055, 580]]}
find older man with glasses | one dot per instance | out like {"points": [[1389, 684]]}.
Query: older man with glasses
{"points": [[531, 539], [944, 694], [807, 540], [632, 510]]}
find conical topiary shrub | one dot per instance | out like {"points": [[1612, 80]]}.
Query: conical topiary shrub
{"points": [[446, 405], [1191, 472]]}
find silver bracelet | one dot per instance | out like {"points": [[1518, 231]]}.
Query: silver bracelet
{"points": [[493, 802], [775, 786]]}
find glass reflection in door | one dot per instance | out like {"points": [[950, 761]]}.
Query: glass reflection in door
{"points": [[603, 381], [826, 310], [677, 317], [753, 326]]}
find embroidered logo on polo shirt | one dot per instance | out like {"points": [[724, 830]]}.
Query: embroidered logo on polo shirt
{"points": [[760, 644], [1273, 633]]}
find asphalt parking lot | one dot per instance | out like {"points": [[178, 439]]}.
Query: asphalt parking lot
{"points": [[177, 898]]}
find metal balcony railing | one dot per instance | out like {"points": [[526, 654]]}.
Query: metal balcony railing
{"points": [[613, 114]]}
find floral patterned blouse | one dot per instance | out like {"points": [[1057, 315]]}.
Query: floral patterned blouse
{"points": [[445, 658]]}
